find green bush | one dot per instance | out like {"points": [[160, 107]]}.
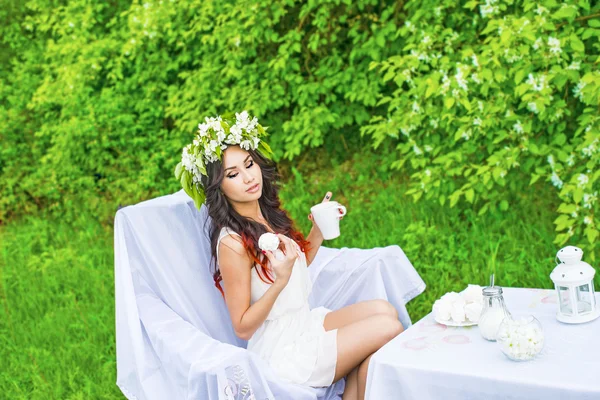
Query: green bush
{"points": [[97, 99], [486, 97]]}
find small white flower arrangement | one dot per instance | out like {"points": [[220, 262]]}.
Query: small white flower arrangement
{"points": [[521, 338], [459, 308]]}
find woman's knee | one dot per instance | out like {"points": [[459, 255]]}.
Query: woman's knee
{"points": [[384, 307], [388, 328]]}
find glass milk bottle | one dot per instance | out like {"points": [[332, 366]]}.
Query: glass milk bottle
{"points": [[494, 311]]}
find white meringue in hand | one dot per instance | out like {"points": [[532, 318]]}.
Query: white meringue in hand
{"points": [[268, 241]]}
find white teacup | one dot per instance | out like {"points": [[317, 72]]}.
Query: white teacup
{"points": [[327, 217]]}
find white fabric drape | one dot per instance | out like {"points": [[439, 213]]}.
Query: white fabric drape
{"points": [[174, 336], [430, 361]]}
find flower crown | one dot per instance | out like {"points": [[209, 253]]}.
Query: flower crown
{"points": [[214, 135]]}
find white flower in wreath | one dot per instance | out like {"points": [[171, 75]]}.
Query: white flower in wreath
{"points": [[203, 129], [242, 117], [236, 129], [245, 144], [235, 134], [231, 139], [252, 125]]}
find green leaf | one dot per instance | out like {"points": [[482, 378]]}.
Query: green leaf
{"points": [[471, 4], [484, 209], [577, 44], [178, 170], [465, 102], [577, 195], [504, 205], [562, 222], [389, 75], [565, 12], [185, 180], [469, 195], [591, 234], [454, 197], [519, 76], [449, 102], [567, 208], [560, 139]]}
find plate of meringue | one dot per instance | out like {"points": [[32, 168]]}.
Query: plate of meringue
{"points": [[459, 309]]}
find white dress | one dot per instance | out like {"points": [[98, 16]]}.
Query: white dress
{"points": [[292, 339]]}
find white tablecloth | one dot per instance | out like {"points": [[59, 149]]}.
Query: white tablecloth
{"points": [[432, 361]]}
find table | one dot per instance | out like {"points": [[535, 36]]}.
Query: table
{"points": [[432, 361]]}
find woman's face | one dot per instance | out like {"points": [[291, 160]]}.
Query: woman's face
{"points": [[241, 174]]}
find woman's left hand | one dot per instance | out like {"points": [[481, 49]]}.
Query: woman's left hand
{"points": [[325, 199]]}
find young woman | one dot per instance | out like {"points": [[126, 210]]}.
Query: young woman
{"points": [[267, 297]]}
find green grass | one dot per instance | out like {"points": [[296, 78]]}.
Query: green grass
{"points": [[57, 285]]}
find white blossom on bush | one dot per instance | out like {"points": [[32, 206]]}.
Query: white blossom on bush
{"points": [[582, 180], [537, 83], [589, 199], [518, 127], [488, 8], [554, 45], [556, 181], [531, 106]]}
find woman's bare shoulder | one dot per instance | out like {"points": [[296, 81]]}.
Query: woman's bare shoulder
{"points": [[232, 242]]}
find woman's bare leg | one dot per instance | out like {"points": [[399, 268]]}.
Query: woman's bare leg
{"points": [[362, 377], [351, 314], [351, 389], [357, 312], [358, 340]]}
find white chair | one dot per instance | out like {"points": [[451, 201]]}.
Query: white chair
{"points": [[174, 336]]}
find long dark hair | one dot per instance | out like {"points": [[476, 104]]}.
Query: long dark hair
{"points": [[224, 215]]}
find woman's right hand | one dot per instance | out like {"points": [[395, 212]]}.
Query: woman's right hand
{"points": [[283, 267]]}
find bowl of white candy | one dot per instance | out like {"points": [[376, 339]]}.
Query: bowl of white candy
{"points": [[459, 309], [521, 338]]}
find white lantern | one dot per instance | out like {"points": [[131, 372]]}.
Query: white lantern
{"points": [[574, 282]]}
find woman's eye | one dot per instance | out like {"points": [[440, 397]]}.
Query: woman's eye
{"points": [[249, 166]]}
